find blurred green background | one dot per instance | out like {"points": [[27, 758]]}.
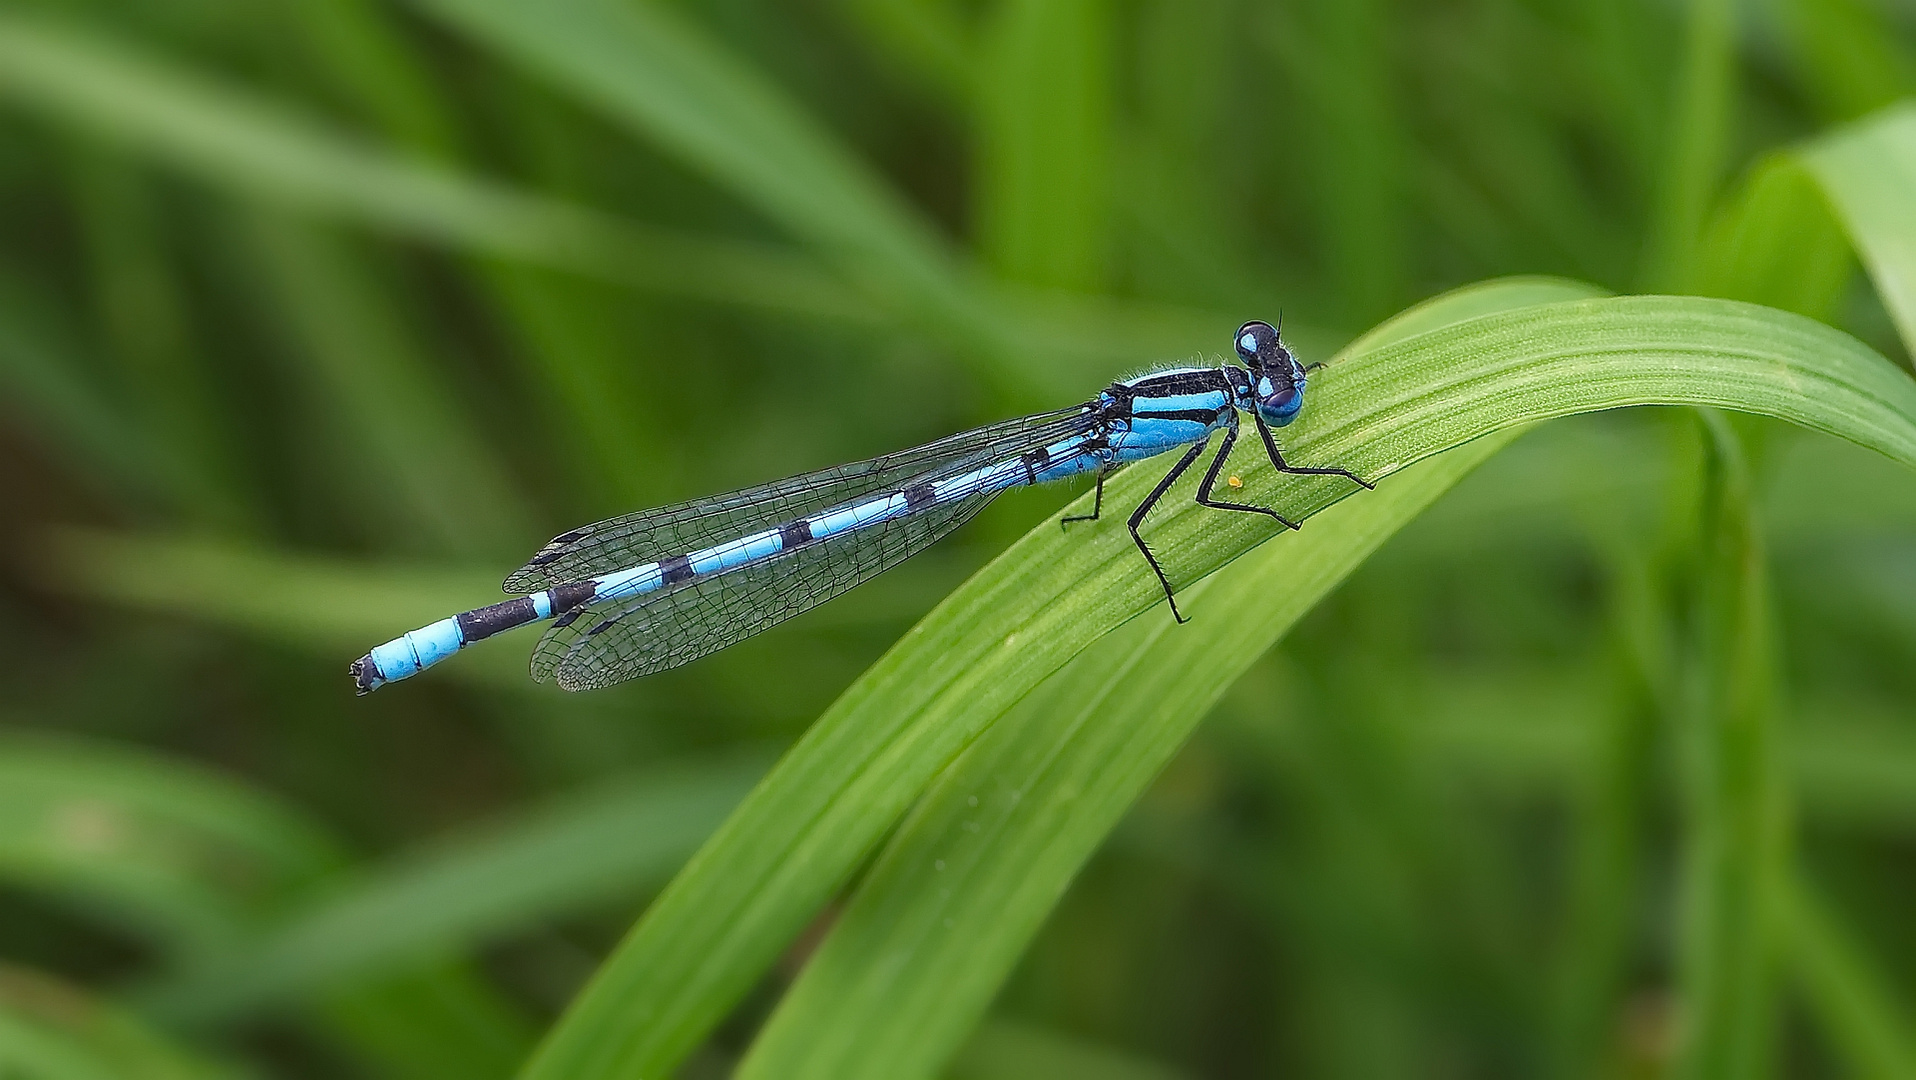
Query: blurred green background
{"points": [[317, 316]]}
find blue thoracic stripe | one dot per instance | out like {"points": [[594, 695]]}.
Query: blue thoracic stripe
{"points": [[1168, 403], [1132, 420]]}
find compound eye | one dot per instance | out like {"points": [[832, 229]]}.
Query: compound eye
{"points": [[1279, 399], [1257, 343]]}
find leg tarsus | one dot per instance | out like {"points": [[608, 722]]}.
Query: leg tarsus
{"points": [[1097, 505], [1277, 460], [1137, 518]]}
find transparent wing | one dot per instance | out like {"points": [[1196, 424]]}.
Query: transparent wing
{"points": [[650, 535], [617, 640]]}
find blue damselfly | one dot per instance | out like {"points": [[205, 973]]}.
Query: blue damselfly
{"points": [[649, 591]]}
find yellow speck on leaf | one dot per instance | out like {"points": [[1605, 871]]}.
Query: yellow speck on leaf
{"points": [[1235, 482]]}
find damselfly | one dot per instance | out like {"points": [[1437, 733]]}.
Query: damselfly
{"points": [[650, 591]]}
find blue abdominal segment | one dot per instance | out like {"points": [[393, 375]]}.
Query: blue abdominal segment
{"points": [[766, 553]]}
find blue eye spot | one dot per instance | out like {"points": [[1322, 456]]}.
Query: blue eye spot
{"points": [[1247, 343]]}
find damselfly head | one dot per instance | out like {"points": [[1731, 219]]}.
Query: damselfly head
{"points": [[1261, 348], [1279, 389]]}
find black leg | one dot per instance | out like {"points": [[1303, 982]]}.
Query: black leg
{"points": [[1210, 480], [1097, 505], [1277, 459], [1137, 518]]}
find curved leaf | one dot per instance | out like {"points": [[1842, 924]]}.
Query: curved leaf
{"points": [[944, 914], [805, 829]]}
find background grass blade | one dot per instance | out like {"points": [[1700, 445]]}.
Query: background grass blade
{"points": [[244, 144], [805, 829], [196, 865], [51, 1031], [1778, 243], [1045, 157], [1850, 56], [572, 856], [1003, 1051], [1349, 144], [1696, 141], [143, 842], [1737, 817], [324, 605], [1867, 1026], [647, 68], [1868, 170], [417, 458], [49, 396], [924, 42]]}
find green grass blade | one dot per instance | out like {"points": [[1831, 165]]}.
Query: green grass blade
{"points": [[1006, 1051], [1855, 771], [183, 856], [1869, 169], [1350, 146], [240, 143], [1845, 990], [607, 429], [573, 856], [327, 605], [43, 389], [925, 42], [1778, 243], [160, 369], [1611, 778], [443, 1021], [1734, 836], [51, 1031], [942, 916], [1042, 199], [805, 829], [1512, 727], [645, 67], [1695, 144], [363, 48], [404, 448], [1850, 55], [198, 866]]}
